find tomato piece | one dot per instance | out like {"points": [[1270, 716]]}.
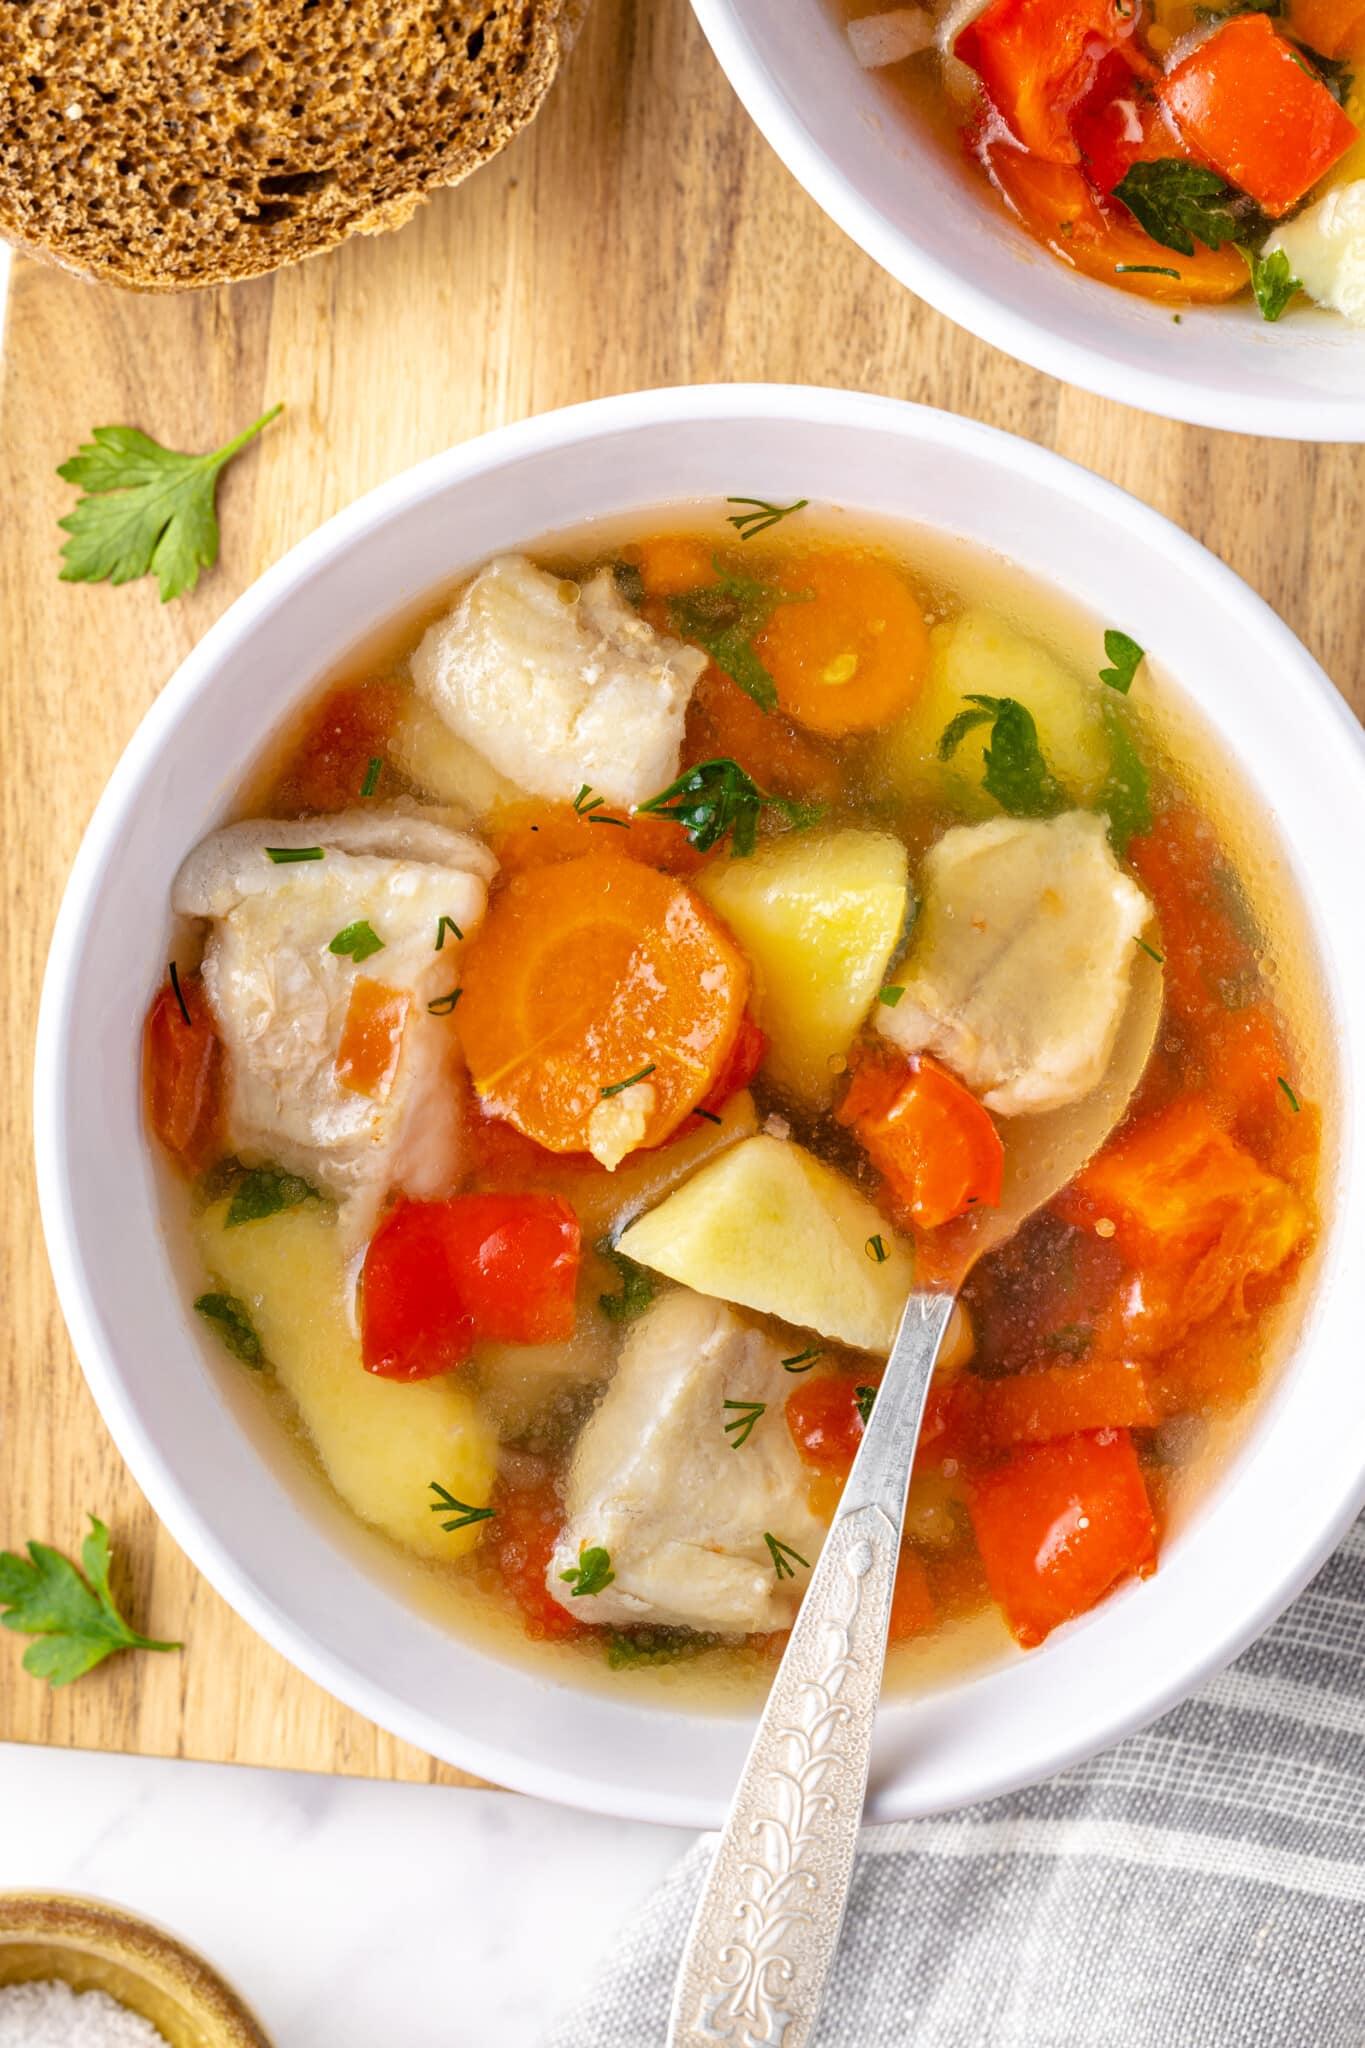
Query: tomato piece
{"points": [[371, 1040], [1060, 1400], [1037, 59], [440, 1276], [1120, 122], [519, 1544], [329, 765], [724, 723], [1208, 960], [825, 1421], [1328, 25], [1058, 1526], [1257, 113], [182, 1066], [928, 1135]]}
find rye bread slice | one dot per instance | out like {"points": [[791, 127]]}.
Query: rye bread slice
{"points": [[167, 144]]}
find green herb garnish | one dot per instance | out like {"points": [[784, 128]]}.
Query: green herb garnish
{"points": [[74, 1617], [444, 925], [463, 1516], [876, 1249], [619, 1087], [633, 1649], [1272, 281], [761, 516], [359, 940], [265, 1191], [723, 618], [1147, 270], [779, 1553], [372, 775], [443, 1005], [1016, 773], [585, 801], [637, 1285], [592, 1573], [145, 508], [1291, 1096], [709, 1114], [717, 797], [1126, 795], [284, 855], [179, 995], [802, 1361], [1127, 657], [234, 1326], [1151, 952], [1178, 202], [891, 995], [741, 1425], [864, 1396]]}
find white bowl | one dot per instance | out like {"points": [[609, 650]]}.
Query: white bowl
{"points": [[289, 1564], [927, 216]]}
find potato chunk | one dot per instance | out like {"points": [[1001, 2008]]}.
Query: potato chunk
{"points": [[769, 1226], [380, 1442], [819, 916]]}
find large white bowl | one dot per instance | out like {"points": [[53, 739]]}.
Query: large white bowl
{"points": [[288, 1563], [925, 215]]}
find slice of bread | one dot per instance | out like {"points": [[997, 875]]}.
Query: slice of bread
{"points": [[167, 144]]}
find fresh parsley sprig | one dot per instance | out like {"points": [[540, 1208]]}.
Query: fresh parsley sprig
{"points": [[637, 1285], [723, 618], [146, 509], [1179, 203], [357, 942], [718, 797], [74, 1618], [233, 1323], [265, 1191], [1126, 658], [1016, 772], [1272, 281], [592, 1573]]}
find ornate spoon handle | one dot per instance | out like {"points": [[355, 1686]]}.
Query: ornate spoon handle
{"points": [[767, 1923]]}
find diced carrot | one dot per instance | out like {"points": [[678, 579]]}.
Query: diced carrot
{"points": [[912, 1604], [182, 1065], [928, 1135], [1058, 1526], [854, 653], [588, 974], [521, 1538], [372, 1038], [1037, 59], [534, 835], [1214, 1368], [724, 723], [672, 563], [1055, 202], [329, 762], [1328, 25], [1058, 1400], [1257, 113]]}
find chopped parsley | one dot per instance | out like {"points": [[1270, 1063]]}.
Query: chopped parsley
{"points": [[760, 516], [1272, 281], [179, 995], [1291, 1097], [592, 1573], [359, 940], [372, 775], [1151, 952], [740, 1427], [585, 801], [876, 1249], [444, 925], [234, 1326], [283, 855], [1179, 202], [265, 1191], [463, 1516], [443, 1005], [1016, 772], [619, 1087], [718, 797], [1126, 656], [637, 1285], [864, 1396], [724, 618], [780, 1553], [1146, 270], [802, 1361], [891, 995], [1126, 792]]}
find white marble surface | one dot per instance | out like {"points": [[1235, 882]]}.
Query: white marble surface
{"points": [[349, 1914]]}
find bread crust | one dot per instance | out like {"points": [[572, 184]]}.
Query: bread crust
{"points": [[171, 145]]}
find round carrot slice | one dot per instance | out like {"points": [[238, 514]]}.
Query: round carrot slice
{"points": [[852, 655], [590, 974]]}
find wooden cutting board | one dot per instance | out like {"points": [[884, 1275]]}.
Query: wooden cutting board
{"points": [[641, 233]]}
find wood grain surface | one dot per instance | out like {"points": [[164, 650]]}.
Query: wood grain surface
{"points": [[640, 233]]}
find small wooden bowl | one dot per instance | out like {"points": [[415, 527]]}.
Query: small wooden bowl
{"points": [[97, 1947]]}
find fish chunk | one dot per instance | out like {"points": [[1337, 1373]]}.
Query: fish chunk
{"points": [[681, 1510], [281, 997], [556, 694], [1021, 960]]}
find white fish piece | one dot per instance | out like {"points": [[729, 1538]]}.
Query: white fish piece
{"points": [[280, 997], [555, 694], [1325, 249], [1020, 964], [681, 1510]]}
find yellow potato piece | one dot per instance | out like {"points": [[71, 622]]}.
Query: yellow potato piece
{"points": [[818, 916], [768, 1226], [381, 1442]]}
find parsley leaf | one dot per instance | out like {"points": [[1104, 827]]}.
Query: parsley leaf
{"points": [[359, 940], [1127, 658], [592, 1573], [1177, 202], [1126, 791], [75, 1618], [1017, 775], [265, 1192], [723, 617], [630, 1649], [864, 1396], [233, 1325], [717, 797], [145, 508], [637, 1286], [1273, 282]]}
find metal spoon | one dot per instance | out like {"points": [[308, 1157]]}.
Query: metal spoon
{"points": [[767, 1924]]}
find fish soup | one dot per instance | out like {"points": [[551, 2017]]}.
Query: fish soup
{"points": [[609, 1001]]}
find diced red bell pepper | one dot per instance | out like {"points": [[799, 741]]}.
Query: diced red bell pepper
{"points": [[825, 1421], [1120, 122], [330, 761], [1058, 1525], [520, 1540], [1037, 59], [440, 1276], [928, 1135], [182, 1064], [1328, 25], [1257, 113]]}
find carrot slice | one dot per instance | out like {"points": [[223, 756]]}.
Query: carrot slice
{"points": [[929, 1135], [854, 654], [182, 1065], [588, 974], [1257, 112], [372, 1038], [674, 562], [532, 835], [1058, 1525]]}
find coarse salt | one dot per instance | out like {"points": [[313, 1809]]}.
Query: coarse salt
{"points": [[49, 2014]]}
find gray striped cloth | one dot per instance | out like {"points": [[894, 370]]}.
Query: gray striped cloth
{"points": [[1200, 1886]]}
